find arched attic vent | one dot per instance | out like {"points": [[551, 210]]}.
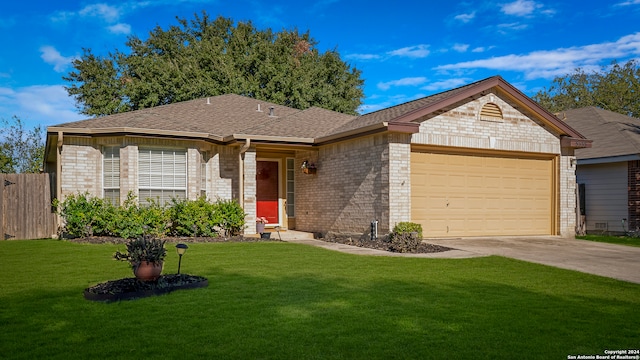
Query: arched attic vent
{"points": [[491, 112]]}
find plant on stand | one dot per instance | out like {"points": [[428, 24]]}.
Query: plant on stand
{"points": [[145, 255]]}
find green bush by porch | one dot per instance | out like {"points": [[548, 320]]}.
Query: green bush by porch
{"points": [[85, 215]]}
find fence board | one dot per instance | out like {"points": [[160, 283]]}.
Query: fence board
{"points": [[25, 206]]}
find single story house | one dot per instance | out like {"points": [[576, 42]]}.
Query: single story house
{"points": [[479, 160], [608, 173]]}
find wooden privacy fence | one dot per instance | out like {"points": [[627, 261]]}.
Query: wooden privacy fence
{"points": [[25, 206]]}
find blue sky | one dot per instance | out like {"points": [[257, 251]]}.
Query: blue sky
{"points": [[405, 50]]}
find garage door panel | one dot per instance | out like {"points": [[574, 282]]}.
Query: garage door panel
{"points": [[470, 195]]}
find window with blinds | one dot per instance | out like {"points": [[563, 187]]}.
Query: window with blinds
{"points": [[162, 175], [111, 174]]}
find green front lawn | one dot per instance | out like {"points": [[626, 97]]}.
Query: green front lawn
{"points": [[288, 301], [620, 240]]}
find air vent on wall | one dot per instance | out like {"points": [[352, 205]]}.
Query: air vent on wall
{"points": [[491, 112]]}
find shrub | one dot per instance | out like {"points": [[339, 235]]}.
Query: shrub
{"points": [[135, 220], [193, 217], [85, 215], [405, 237], [408, 227], [231, 216], [404, 242]]}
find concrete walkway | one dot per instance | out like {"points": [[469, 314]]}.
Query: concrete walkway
{"points": [[609, 260]]}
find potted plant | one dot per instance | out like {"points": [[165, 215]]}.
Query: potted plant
{"points": [[260, 222], [146, 257], [308, 167]]}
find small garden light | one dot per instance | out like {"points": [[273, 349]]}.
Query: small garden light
{"points": [[181, 249]]}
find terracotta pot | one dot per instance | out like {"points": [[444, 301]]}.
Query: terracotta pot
{"points": [[147, 271]]}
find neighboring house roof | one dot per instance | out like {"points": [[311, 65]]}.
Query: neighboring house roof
{"points": [[616, 137], [229, 118]]}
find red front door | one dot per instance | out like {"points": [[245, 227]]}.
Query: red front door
{"points": [[267, 191]]}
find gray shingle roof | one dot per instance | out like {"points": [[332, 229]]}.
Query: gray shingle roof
{"points": [[221, 115], [230, 117], [613, 134]]}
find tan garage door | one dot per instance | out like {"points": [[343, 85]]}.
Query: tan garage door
{"points": [[471, 195]]}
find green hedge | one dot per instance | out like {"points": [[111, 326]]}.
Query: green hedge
{"points": [[85, 215]]}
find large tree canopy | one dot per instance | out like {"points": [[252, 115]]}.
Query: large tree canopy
{"points": [[21, 150], [203, 58], [615, 88]]}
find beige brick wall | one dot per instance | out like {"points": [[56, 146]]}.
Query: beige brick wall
{"points": [[462, 127], [249, 184], [350, 188], [223, 171], [568, 193], [128, 171], [81, 167], [399, 179]]}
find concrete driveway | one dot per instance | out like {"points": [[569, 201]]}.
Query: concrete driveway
{"points": [[614, 261]]}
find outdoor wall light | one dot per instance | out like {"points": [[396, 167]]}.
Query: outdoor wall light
{"points": [[181, 249]]}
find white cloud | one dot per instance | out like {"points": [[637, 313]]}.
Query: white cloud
{"points": [[481, 49], [363, 56], [627, 3], [465, 18], [120, 29], [417, 51], [52, 56], [461, 47], [39, 105], [520, 7], [511, 26], [446, 84], [106, 12], [549, 63], [410, 81]]}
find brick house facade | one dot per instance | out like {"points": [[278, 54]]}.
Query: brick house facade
{"points": [[235, 148]]}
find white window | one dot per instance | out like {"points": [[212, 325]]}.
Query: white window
{"points": [[291, 200], [204, 157], [111, 174], [162, 175]]}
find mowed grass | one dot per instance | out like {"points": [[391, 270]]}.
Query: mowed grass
{"points": [[289, 301], [620, 240]]}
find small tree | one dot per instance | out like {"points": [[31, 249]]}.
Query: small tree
{"points": [[21, 150]]}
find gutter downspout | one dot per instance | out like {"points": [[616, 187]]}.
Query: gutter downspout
{"points": [[243, 150]]}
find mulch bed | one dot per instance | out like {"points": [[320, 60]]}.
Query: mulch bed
{"points": [[132, 288], [380, 243]]}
